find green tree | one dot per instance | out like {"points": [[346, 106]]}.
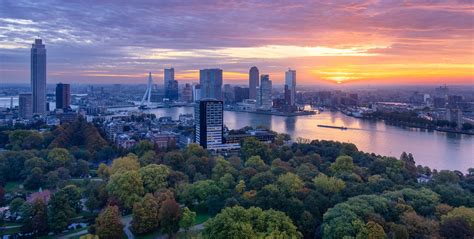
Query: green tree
{"points": [[59, 157], [252, 147], [145, 215], [60, 212], [149, 157], [108, 224], [123, 164], [25, 139], [222, 168], [195, 150], [343, 164], [154, 177], [290, 182], [103, 171], [418, 226], [187, 219], [237, 222], [199, 192], [461, 213], [39, 219], [372, 230], [73, 196], [329, 184], [15, 206], [127, 187], [255, 162], [175, 160], [240, 187], [35, 179], [169, 217], [142, 147]]}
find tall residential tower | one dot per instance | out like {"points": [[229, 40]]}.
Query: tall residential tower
{"points": [[264, 93], [170, 85], [211, 83], [209, 123], [38, 77], [253, 82], [63, 96], [290, 86]]}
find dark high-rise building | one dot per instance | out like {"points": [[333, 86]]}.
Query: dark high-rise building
{"points": [[25, 102], [228, 94], [168, 76], [211, 83], [38, 77], [264, 93], [187, 95], [254, 77], [209, 122], [170, 85], [241, 93], [63, 96], [172, 92], [290, 85]]}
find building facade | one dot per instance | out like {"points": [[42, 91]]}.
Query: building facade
{"points": [[211, 83], [168, 76], [63, 96], [209, 122], [170, 85], [196, 92], [254, 76], [187, 94], [241, 94], [264, 93], [290, 86], [25, 102], [38, 77]]}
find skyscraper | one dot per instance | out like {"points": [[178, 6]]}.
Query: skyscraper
{"points": [[253, 82], [228, 94], [38, 77], [63, 96], [209, 123], [196, 92], [25, 102], [290, 85], [211, 83], [168, 76], [170, 85], [264, 93], [187, 94]]}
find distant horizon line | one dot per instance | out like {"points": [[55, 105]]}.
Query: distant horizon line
{"points": [[280, 84]]}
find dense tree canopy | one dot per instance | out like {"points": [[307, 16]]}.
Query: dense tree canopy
{"points": [[237, 222]]}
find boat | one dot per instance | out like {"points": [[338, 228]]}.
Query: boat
{"points": [[332, 126]]}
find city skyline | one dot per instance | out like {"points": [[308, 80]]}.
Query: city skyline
{"points": [[366, 42]]}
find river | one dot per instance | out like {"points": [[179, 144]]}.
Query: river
{"points": [[434, 149], [437, 150]]}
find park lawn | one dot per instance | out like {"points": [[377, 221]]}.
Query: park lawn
{"points": [[12, 186], [10, 231], [9, 224], [201, 218], [150, 235], [157, 233], [189, 235]]}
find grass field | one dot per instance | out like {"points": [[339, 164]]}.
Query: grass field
{"points": [[12, 186]]}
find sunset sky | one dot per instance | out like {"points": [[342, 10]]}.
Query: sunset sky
{"points": [[387, 42]]}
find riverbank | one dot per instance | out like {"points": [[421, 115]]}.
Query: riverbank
{"points": [[414, 125], [276, 113]]}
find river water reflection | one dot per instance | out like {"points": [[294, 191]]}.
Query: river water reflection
{"points": [[431, 148]]}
